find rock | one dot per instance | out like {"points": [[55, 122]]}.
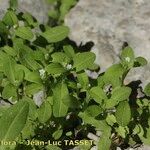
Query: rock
{"points": [[109, 24], [38, 8]]}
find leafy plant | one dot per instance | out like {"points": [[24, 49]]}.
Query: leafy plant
{"points": [[43, 79]]}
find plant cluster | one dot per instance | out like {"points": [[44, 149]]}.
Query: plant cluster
{"points": [[39, 60]]}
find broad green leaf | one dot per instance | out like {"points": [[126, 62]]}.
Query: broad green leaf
{"points": [[98, 94], [83, 60], [98, 124], [44, 112], [114, 75], [13, 3], [10, 92], [29, 130], [10, 18], [3, 28], [147, 89], [123, 113], [32, 115], [13, 121], [127, 57], [60, 92], [57, 134], [56, 34], [83, 79], [33, 88], [24, 33], [10, 51], [60, 57], [105, 141], [29, 19], [9, 69], [68, 49], [118, 94], [33, 77], [55, 68], [93, 110], [140, 61]]}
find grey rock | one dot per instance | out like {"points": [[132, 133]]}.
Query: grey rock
{"points": [[109, 24], [38, 8], [39, 98]]}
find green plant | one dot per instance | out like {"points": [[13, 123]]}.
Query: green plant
{"points": [[39, 59]]}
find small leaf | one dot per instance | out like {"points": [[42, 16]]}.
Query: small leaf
{"points": [[123, 113], [13, 3], [68, 49], [3, 28], [98, 94], [147, 89], [121, 131], [111, 119], [60, 57], [44, 112], [10, 51], [10, 18], [127, 57], [24, 33], [55, 68], [57, 134], [140, 61], [56, 34], [83, 60], [83, 79], [13, 121]]}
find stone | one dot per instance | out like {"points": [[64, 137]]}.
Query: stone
{"points": [[109, 24], [38, 8]]}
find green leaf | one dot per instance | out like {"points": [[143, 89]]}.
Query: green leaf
{"points": [[111, 119], [10, 92], [98, 94], [83, 79], [3, 28], [121, 131], [55, 68], [10, 18], [13, 3], [93, 110], [10, 51], [147, 89], [83, 60], [65, 7], [44, 112], [57, 134], [118, 94], [68, 49], [33, 77], [13, 121], [33, 88], [140, 61], [9, 69], [56, 34], [123, 113], [24, 33], [98, 124], [127, 57], [113, 75], [60, 57], [60, 93]]}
